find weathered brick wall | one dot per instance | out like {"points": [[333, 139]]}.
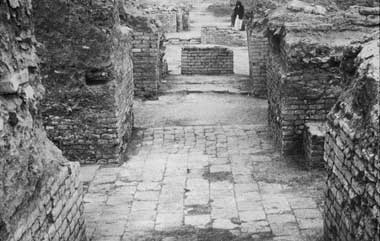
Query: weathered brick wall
{"points": [[222, 36], [297, 92], [258, 54], [352, 210], [40, 193], [148, 63], [206, 60], [314, 140], [87, 69]]}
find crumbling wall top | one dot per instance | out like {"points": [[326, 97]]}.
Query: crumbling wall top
{"points": [[358, 108], [312, 34]]}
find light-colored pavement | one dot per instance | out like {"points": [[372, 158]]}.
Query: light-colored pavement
{"points": [[199, 177]]}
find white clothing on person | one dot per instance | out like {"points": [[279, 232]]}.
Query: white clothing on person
{"points": [[238, 24]]}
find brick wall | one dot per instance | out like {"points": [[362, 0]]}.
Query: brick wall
{"points": [[314, 140], [258, 54], [298, 92], [223, 36], [87, 69], [352, 210], [148, 63], [56, 212], [40, 193], [206, 60]]}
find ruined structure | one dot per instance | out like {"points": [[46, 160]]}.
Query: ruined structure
{"points": [[40, 193], [209, 60], [303, 76], [330, 61], [352, 210], [87, 71]]}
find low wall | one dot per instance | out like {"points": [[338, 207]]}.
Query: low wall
{"points": [[258, 54], [223, 36], [148, 62], [352, 209], [206, 60]]}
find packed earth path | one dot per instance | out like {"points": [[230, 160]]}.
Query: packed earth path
{"points": [[202, 166]]}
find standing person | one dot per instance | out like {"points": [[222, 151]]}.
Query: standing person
{"points": [[233, 16], [239, 13]]}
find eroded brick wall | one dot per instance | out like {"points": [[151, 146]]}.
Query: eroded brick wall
{"points": [[206, 60], [222, 36], [352, 210], [40, 193], [258, 54], [88, 76]]}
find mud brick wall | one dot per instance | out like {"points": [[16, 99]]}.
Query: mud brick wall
{"points": [[206, 60], [258, 54], [298, 92], [40, 194], [88, 75], [147, 62], [314, 140], [222, 36], [352, 210]]}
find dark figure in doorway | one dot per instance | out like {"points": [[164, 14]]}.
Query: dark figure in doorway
{"points": [[239, 15]]}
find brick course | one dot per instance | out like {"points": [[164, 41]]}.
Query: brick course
{"points": [[206, 60]]}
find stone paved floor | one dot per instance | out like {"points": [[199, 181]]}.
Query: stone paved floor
{"points": [[199, 177]]}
